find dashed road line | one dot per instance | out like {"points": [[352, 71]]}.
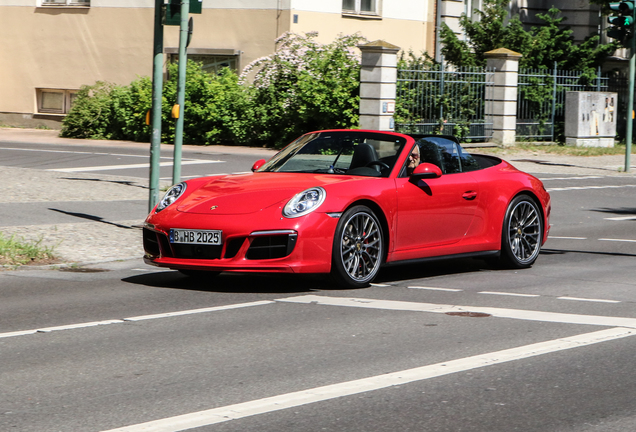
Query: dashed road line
{"points": [[134, 319], [589, 187], [621, 218], [618, 240], [129, 166], [378, 382], [587, 299], [571, 178], [435, 289], [567, 238], [80, 152], [508, 294]]}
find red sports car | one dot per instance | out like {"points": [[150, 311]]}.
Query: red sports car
{"points": [[346, 202]]}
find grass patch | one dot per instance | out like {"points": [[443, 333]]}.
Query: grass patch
{"points": [[618, 149], [16, 252]]}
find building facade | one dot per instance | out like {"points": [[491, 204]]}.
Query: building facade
{"points": [[53, 47]]}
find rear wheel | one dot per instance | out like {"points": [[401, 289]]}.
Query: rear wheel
{"points": [[357, 248], [522, 233]]}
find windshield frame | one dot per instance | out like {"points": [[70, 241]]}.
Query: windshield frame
{"points": [[342, 138]]}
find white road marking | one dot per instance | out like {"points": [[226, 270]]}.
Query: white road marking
{"points": [[435, 289], [530, 315], [589, 187], [622, 218], [618, 240], [571, 178], [567, 238], [588, 299], [129, 166], [508, 294], [80, 152], [138, 318], [197, 311], [348, 388]]}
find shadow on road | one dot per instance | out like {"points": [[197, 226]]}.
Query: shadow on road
{"points": [[232, 282], [91, 218], [299, 283]]}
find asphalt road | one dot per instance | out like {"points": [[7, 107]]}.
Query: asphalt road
{"points": [[449, 346]]}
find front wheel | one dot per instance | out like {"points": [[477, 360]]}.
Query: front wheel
{"points": [[357, 248], [522, 233]]}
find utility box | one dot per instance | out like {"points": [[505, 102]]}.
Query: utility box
{"points": [[590, 119]]}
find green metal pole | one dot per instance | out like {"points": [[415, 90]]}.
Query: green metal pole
{"points": [[630, 105], [183, 59], [157, 86]]}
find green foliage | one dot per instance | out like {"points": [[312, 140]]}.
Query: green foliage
{"points": [[426, 103], [540, 47], [91, 114], [303, 86], [15, 252]]}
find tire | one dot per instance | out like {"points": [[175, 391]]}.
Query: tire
{"points": [[522, 233], [358, 248], [200, 274]]}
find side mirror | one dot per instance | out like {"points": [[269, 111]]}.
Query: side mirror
{"points": [[259, 163], [426, 170]]}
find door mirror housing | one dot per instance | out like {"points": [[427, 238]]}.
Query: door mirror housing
{"points": [[427, 170], [259, 163]]}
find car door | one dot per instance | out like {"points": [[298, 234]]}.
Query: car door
{"points": [[435, 212]]}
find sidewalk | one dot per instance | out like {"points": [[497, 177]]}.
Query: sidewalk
{"points": [[91, 240]]}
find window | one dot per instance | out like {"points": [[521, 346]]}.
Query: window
{"points": [[66, 2], [211, 60], [361, 7], [210, 64], [55, 101]]}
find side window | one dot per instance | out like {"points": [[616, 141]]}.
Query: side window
{"points": [[469, 163], [450, 156]]}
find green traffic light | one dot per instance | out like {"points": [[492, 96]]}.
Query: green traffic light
{"points": [[621, 21]]}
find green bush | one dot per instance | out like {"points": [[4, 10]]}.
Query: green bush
{"points": [[303, 86], [91, 115]]}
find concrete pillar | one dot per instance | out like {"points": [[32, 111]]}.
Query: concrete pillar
{"points": [[503, 95], [378, 78]]}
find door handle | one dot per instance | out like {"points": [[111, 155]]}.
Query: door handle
{"points": [[470, 195]]}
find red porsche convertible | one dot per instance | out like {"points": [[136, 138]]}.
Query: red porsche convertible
{"points": [[346, 202]]}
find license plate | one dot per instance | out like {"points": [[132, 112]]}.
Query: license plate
{"points": [[195, 236]]}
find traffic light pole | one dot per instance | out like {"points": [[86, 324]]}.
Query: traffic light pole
{"points": [[630, 105], [157, 85], [183, 61]]}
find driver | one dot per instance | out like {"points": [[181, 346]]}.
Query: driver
{"points": [[413, 160]]}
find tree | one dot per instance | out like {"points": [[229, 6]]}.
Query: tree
{"points": [[304, 86], [540, 47]]}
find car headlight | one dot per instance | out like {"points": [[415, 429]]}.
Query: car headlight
{"points": [[171, 196], [304, 202]]}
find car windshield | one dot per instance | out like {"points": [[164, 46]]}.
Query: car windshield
{"points": [[339, 152]]}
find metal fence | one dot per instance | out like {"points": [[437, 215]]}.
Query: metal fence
{"points": [[437, 99], [541, 100]]}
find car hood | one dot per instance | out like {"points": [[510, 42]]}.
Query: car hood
{"points": [[250, 193]]}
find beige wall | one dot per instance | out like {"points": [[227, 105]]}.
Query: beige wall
{"points": [[65, 48], [407, 34]]}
